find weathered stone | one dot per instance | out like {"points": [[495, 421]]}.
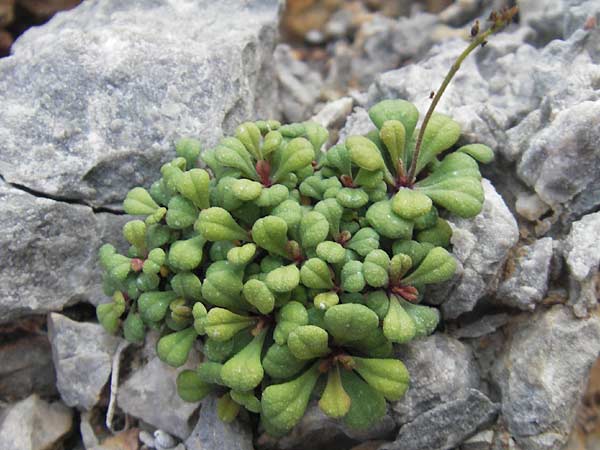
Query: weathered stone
{"points": [[49, 253], [150, 393], [442, 369], [325, 433], [357, 123], [82, 355], [481, 327], [33, 424], [333, 114], [299, 85], [26, 368], [481, 441], [127, 79], [211, 433], [582, 253], [446, 425], [481, 245], [542, 373], [527, 276]]}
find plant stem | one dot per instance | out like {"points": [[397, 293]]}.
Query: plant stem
{"points": [[500, 21]]}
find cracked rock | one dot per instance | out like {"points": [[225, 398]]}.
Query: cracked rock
{"points": [[49, 251], [442, 369], [34, 424], [542, 373], [99, 94], [82, 355], [527, 282], [582, 253], [211, 433], [481, 245], [447, 425]]}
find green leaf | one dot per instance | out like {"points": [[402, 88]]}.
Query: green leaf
{"points": [[272, 142], [244, 371], [364, 241], [222, 324], [108, 314], [316, 134], [314, 229], [352, 198], [135, 233], [187, 285], [283, 405], [153, 305], [352, 277], [290, 316], [308, 342], [258, 295], [335, 401], [139, 203], [441, 133], [410, 204], [272, 196], [279, 362], [189, 149], [216, 224], [455, 185], [326, 300], [400, 110], [227, 409], [270, 233], [315, 274], [478, 152], [283, 279], [332, 252], [338, 157], [290, 211], [174, 348], [416, 250], [191, 388], [186, 255], [379, 302], [398, 326], [134, 328], [388, 376], [375, 268], [222, 285], [350, 322], [199, 314], [181, 213], [210, 372], [387, 223], [241, 255], [367, 405], [438, 266], [249, 135], [393, 135], [232, 153], [194, 186], [333, 212], [364, 153], [246, 190], [438, 235], [426, 318], [247, 400], [297, 154]]}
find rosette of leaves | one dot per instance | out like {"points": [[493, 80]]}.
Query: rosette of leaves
{"points": [[297, 269]]}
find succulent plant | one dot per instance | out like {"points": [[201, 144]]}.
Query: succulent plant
{"points": [[297, 269]]}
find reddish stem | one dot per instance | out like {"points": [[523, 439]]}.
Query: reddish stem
{"points": [[263, 168]]}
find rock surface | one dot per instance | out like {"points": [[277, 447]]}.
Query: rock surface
{"points": [[211, 433], [150, 393], [446, 425], [481, 245], [527, 281], [442, 369], [127, 79], [542, 373], [82, 355], [582, 254], [33, 424], [49, 253]]}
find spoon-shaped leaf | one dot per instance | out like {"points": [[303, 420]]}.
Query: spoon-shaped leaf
{"points": [[350, 322], [270, 233], [335, 401], [387, 223], [244, 371], [216, 224], [398, 326], [388, 376], [280, 362], [438, 266], [367, 405]]}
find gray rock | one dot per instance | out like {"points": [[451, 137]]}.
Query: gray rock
{"points": [[33, 424], [582, 254], [82, 355], [481, 441], [446, 425], [357, 123], [527, 282], [442, 369], [211, 433], [325, 433], [49, 253], [481, 245], [334, 113], [299, 85], [98, 95], [26, 368], [542, 373], [150, 393], [481, 327]]}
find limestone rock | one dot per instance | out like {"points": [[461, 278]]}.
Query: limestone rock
{"points": [[99, 94], [527, 282], [82, 355], [34, 424], [542, 373], [211, 433]]}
